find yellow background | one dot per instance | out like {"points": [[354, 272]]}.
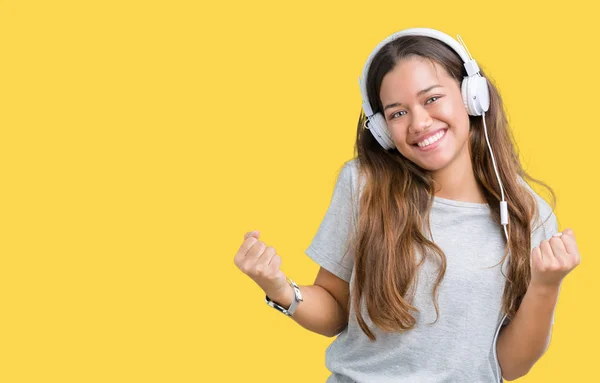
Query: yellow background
{"points": [[141, 140]]}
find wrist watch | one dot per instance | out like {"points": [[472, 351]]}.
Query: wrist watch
{"points": [[297, 299]]}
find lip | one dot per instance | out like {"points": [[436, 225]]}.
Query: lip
{"points": [[435, 144]]}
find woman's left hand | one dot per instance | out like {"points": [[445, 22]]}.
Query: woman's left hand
{"points": [[553, 259]]}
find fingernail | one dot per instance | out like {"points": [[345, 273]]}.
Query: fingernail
{"points": [[557, 235]]}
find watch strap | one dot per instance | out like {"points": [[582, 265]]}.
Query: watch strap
{"points": [[295, 301]]}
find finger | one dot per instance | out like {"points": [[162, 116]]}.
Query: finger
{"points": [[547, 255], [256, 250], [275, 260], [570, 243], [558, 248], [266, 256], [275, 263], [243, 249], [254, 233], [536, 259]]}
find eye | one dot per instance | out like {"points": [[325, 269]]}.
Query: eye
{"points": [[432, 99], [396, 114]]}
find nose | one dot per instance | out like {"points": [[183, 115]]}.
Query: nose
{"points": [[421, 120]]}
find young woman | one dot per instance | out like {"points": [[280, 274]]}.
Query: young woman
{"points": [[439, 263]]}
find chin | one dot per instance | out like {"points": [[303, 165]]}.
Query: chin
{"points": [[438, 165], [432, 169]]}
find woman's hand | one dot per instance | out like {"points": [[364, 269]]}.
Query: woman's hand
{"points": [[553, 259], [262, 264]]}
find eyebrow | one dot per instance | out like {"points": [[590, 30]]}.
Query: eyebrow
{"points": [[418, 94]]}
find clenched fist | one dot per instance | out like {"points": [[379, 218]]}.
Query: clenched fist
{"points": [[261, 263], [553, 259]]}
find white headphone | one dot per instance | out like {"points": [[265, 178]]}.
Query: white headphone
{"points": [[474, 89]]}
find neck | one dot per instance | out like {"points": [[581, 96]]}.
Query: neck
{"points": [[457, 181]]}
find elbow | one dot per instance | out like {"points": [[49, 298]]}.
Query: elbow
{"points": [[513, 370], [510, 375], [336, 332], [330, 334], [518, 371], [510, 378], [517, 368]]}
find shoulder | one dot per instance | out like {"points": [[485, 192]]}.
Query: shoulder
{"points": [[350, 176], [544, 224], [350, 169]]}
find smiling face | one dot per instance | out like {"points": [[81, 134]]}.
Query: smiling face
{"points": [[425, 114]]}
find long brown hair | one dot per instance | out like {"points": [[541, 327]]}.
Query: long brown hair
{"points": [[398, 195]]}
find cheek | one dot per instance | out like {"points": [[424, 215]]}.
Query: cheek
{"points": [[453, 112], [455, 115], [399, 135], [397, 131]]}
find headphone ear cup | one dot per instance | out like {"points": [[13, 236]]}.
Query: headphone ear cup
{"points": [[476, 95], [465, 94], [379, 130]]}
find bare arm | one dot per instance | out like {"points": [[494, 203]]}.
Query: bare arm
{"points": [[324, 308], [527, 337], [523, 341]]}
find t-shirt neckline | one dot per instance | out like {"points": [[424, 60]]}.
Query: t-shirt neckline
{"points": [[451, 202]]}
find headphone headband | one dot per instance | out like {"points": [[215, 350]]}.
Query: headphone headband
{"points": [[470, 64]]}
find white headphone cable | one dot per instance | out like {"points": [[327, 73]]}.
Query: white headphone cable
{"points": [[503, 203]]}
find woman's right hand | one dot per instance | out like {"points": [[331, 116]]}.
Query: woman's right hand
{"points": [[261, 263]]}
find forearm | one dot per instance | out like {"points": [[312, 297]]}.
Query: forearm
{"points": [[319, 311], [527, 337]]}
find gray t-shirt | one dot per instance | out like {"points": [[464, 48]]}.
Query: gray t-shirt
{"points": [[460, 346]]}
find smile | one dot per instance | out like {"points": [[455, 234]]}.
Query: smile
{"points": [[431, 142]]}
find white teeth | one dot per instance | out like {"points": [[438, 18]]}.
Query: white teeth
{"points": [[431, 140]]}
